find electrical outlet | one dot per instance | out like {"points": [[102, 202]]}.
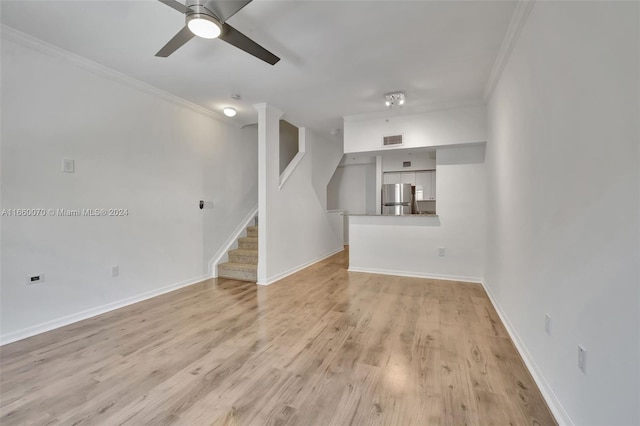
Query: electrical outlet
{"points": [[547, 324], [442, 251], [115, 271], [582, 359], [35, 279]]}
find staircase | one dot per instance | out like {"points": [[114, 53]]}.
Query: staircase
{"points": [[243, 261]]}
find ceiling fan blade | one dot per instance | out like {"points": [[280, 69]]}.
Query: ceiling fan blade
{"points": [[241, 41], [225, 9], [183, 36], [176, 5]]}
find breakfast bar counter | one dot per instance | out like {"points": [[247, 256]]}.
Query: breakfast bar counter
{"points": [[406, 245]]}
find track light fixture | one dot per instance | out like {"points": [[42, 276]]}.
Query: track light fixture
{"points": [[394, 99]]}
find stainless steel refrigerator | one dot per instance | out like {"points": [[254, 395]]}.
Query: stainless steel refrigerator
{"points": [[396, 198]]}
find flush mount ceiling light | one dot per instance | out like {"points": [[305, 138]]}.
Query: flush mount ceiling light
{"points": [[229, 111], [394, 99], [203, 25]]}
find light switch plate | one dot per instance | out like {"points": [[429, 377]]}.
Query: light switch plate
{"points": [[582, 359], [547, 324], [68, 165]]}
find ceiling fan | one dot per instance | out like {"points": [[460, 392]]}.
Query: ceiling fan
{"points": [[207, 19]]}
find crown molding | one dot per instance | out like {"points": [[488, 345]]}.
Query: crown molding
{"points": [[41, 46], [518, 19], [442, 106]]}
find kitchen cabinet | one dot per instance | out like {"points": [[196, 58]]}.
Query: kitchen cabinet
{"points": [[399, 177], [408, 177], [425, 185], [424, 181], [391, 178], [433, 184]]}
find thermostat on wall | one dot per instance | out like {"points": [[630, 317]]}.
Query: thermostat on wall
{"points": [[205, 204], [35, 279]]}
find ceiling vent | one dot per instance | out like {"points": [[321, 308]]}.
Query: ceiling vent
{"points": [[392, 140]]}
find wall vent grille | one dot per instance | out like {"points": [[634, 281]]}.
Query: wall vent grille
{"points": [[392, 140]]}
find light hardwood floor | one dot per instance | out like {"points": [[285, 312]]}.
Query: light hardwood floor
{"points": [[322, 347]]}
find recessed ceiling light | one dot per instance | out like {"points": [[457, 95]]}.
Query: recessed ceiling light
{"points": [[229, 111], [203, 25]]}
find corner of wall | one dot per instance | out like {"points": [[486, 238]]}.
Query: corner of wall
{"points": [[549, 396], [518, 19]]}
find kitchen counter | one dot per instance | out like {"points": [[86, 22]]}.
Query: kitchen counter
{"points": [[393, 215], [397, 245], [393, 220]]}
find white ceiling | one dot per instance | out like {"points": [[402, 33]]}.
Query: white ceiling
{"points": [[338, 57]]}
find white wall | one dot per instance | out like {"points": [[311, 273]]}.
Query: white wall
{"points": [[132, 150], [295, 228], [352, 190], [436, 128], [564, 135], [420, 160], [233, 189], [347, 189], [326, 156], [413, 242]]}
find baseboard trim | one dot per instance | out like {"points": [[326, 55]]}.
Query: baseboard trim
{"points": [[89, 313], [562, 417], [293, 270], [417, 274], [226, 246]]}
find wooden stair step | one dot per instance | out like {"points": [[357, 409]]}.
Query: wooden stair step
{"points": [[238, 271], [243, 256]]}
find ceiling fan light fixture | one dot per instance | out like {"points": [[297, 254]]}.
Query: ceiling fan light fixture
{"points": [[203, 25], [229, 111]]}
